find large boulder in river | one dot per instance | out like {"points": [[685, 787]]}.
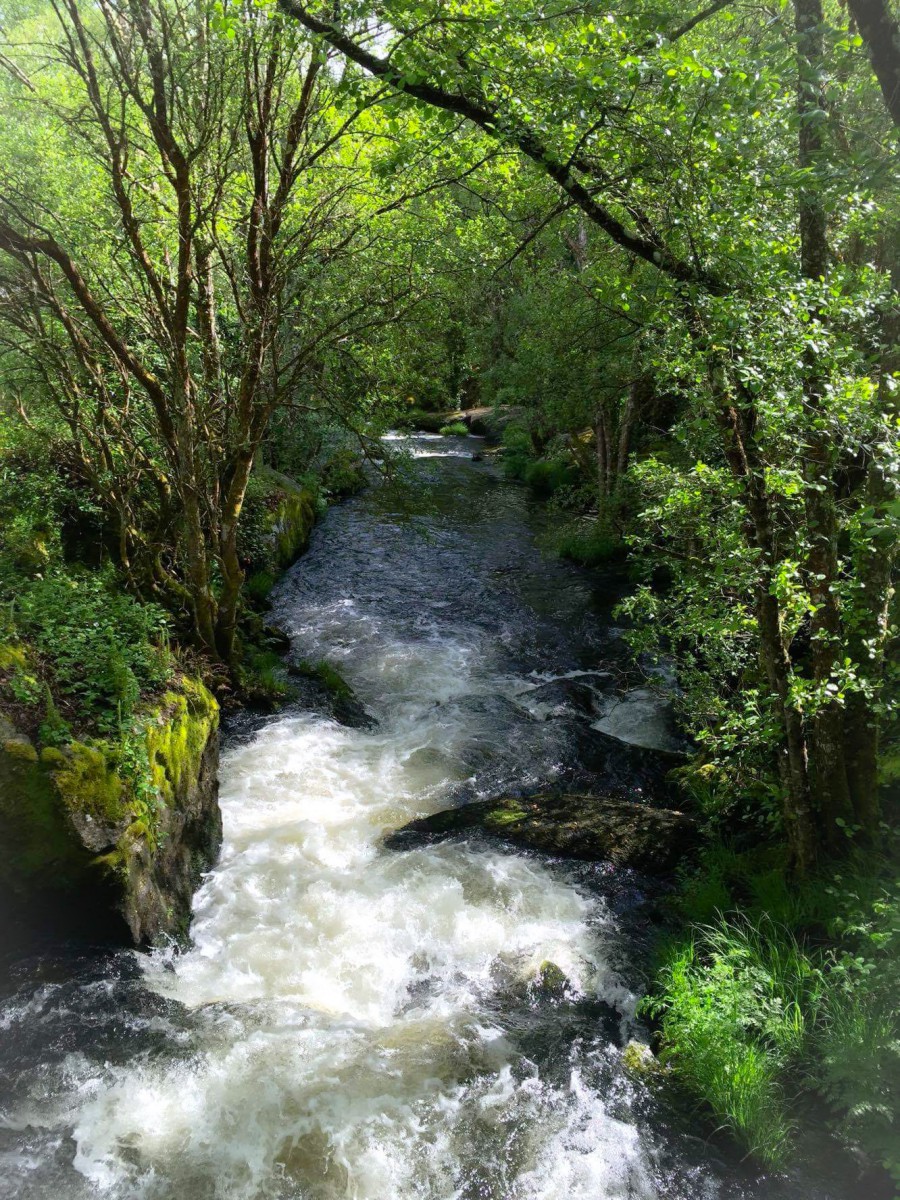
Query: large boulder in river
{"points": [[579, 826], [120, 828]]}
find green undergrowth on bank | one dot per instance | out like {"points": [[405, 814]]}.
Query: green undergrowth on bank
{"points": [[775, 1000]]}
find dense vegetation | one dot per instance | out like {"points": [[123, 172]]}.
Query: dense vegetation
{"points": [[656, 252]]}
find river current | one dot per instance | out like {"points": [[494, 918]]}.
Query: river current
{"points": [[353, 1021]]}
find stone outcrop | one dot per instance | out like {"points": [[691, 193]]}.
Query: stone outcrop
{"points": [[571, 826], [128, 825], [278, 531]]}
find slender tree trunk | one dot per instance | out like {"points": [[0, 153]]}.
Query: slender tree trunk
{"points": [[232, 571], [743, 460], [828, 766], [874, 568]]}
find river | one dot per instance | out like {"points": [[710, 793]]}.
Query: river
{"points": [[354, 1021]]}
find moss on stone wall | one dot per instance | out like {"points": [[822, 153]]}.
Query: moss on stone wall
{"points": [[177, 735], [111, 810], [87, 781], [276, 522], [37, 848]]}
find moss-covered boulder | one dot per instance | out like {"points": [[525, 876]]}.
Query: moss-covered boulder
{"points": [[595, 828], [278, 518], [127, 824]]}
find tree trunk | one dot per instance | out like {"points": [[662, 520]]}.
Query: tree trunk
{"points": [[232, 571], [874, 569], [744, 461], [828, 767]]}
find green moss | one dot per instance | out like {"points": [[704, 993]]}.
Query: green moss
{"points": [[176, 737], [21, 749], [508, 815], [13, 657], [640, 1062], [36, 847], [88, 783], [276, 522], [552, 979]]}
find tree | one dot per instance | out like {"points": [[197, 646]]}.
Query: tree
{"points": [[189, 266], [649, 130]]}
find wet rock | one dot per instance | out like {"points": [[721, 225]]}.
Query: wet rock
{"points": [[568, 695], [89, 824], [642, 718], [551, 981], [641, 1063], [324, 690], [586, 827]]}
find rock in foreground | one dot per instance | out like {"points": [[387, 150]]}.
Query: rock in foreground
{"points": [[124, 827], [584, 827]]}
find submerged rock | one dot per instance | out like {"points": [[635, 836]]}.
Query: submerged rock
{"points": [[125, 827], [579, 826], [578, 695]]}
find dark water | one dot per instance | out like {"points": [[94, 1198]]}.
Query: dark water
{"points": [[353, 1021]]}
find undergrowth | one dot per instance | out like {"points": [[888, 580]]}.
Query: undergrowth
{"points": [[779, 995]]}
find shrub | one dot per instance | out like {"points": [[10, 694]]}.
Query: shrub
{"points": [[589, 545], [101, 648], [797, 994], [258, 587], [454, 429], [857, 1064]]}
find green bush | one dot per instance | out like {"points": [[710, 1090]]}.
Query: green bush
{"points": [[857, 1049], [263, 677], [782, 988], [454, 429], [589, 545], [258, 587]]}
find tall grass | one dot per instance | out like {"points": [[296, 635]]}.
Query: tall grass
{"points": [[737, 1002], [783, 989]]}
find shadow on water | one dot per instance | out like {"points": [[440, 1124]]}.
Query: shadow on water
{"points": [[353, 1021]]}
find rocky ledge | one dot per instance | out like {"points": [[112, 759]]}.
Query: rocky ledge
{"points": [[593, 828], [126, 826]]}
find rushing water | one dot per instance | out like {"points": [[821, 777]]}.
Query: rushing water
{"points": [[353, 1021]]}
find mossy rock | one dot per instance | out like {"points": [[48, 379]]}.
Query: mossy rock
{"points": [[641, 1063], [551, 981], [177, 734], [88, 783], [325, 690], [37, 849], [277, 522], [594, 828], [75, 820], [13, 657]]}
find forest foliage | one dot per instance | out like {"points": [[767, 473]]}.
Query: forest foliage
{"points": [[660, 248]]}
